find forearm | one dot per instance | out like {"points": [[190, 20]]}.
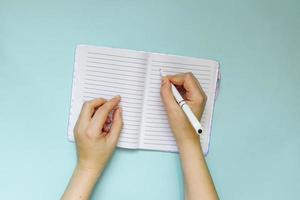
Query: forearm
{"points": [[81, 184], [198, 182]]}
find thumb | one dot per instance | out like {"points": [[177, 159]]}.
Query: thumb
{"points": [[117, 124], [167, 96]]}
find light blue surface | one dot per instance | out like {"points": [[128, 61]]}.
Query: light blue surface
{"points": [[255, 149]]}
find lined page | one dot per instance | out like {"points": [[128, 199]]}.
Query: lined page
{"points": [[106, 72], [157, 134]]}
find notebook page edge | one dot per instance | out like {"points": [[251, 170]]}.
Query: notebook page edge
{"points": [[215, 95], [70, 135]]}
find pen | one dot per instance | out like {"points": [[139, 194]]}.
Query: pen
{"points": [[185, 107]]}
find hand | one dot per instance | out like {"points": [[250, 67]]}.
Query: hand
{"points": [[96, 135], [194, 96], [198, 182], [95, 139]]}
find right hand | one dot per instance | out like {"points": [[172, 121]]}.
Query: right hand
{"points": [[194, 96]]}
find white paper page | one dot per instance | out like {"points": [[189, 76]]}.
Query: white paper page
{"points": [[106, 72], [156, 131]]}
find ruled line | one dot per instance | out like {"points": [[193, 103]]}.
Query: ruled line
{"points": [[86, 97], [124, 135], [114, 73], [156, 117], [130, 133], [159, 135], [100, 89], [168, 131], [157, 88], [89, 92], [118, 78], [126, 61], [159, 139], [179, 63], [126, 141], [130, 124], [156, 108], [114, 69], [129, 84], [157, 113], [133, 107], [159, 77], [157, 122], [158, 82], [154, 95], [155, 126], [134, 103], [103, 85], [183, 70], [132, 120], [125, 115], [114, 55], [158, 104], [156, 100], [160, 144], [115, 65], [131, 129]]}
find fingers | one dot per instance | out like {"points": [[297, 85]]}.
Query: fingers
{"points": [[167, 96], [89, 107], [102, 113], [117, 124], [189, 82]]}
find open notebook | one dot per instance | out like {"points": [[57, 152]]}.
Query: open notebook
{"points": [[135, 75]]}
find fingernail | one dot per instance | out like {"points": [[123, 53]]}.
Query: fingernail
{"points": [[120, 109], [116, 97], [118, 112], [164, 80]]}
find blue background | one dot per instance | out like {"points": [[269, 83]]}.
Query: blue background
{"points": [[255, 149]]}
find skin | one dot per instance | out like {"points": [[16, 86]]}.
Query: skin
{"points": [[198, 182], [97, 133]]}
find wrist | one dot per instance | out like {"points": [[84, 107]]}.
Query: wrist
{"points": [[87, 170], [190, 145], [188, 139]]}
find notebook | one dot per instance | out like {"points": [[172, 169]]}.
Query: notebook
{"points": [[135, 75]]}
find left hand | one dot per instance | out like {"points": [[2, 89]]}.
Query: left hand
{"points": [[95, 140]]}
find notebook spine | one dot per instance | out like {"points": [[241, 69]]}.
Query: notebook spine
{"points": [[143, 119]]}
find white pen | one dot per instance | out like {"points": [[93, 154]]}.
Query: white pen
{"points": [[185, 107]]}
